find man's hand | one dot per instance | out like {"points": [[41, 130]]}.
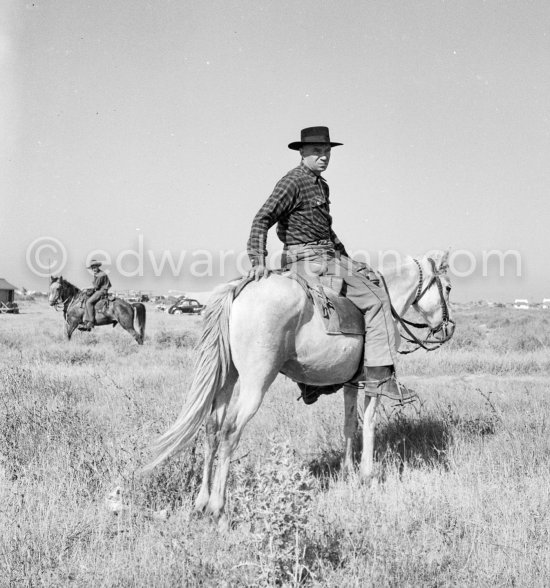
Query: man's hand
{"points": [[258, 272]]}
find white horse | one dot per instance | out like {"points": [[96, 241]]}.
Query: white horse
{"points": [[271, 327]]}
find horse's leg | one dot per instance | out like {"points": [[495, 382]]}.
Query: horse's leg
{"points": [[253, 386], [211, 442], [369, 422], [136, 336], [140, 315], [126, 321], [350, 426], [70, 326], [132, 332]]}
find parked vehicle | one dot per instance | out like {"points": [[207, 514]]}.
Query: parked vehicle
{"points": [[186, 306]]}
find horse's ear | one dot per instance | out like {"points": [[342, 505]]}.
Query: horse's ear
{"points": [[444, 263], [52, 279]]}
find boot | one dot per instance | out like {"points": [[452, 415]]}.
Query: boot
{"points": [[381, 380]]}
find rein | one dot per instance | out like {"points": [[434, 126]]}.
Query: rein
{"points": [[71, 292], [429, 344]]}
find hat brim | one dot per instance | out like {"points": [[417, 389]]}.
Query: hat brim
{"points": [[94, 265], [297, 145]]}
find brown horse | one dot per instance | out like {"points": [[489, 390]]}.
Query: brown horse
{"points": [[63, 293]]}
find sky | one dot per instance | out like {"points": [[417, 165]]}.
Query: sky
{"points": [[148, 134]]}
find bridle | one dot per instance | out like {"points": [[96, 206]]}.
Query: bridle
{"points": [[64, 302], [430, 343]]}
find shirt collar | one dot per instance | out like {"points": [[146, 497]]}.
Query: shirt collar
{"points": [[308, 172]]}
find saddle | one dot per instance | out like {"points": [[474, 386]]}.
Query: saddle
{"points": [[102, 305]]}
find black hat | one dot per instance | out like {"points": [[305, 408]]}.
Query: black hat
{"points": [[313, 135]]}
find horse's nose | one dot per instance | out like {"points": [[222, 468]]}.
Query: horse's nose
{"points": [[449, 329]]}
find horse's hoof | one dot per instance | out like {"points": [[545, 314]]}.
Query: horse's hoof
{"points": [[223, 524], [368, 481], [347, 471], [349, 474], [201, 502], [198, 510]]}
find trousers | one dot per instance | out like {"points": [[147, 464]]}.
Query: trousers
{"points": [[89, 308], [361, 288]]}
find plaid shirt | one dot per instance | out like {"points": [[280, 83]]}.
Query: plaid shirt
{"points": [[300, 205], [101, 281]]}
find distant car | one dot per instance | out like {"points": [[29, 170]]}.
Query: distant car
{"points": [[186, 306]]}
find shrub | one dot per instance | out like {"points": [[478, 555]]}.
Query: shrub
{"points": [[274, 502]]}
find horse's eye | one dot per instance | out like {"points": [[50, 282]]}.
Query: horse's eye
{"points": [[448, 288]]}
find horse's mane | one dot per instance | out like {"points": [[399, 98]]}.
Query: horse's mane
{"points": [[395, 266], [440, 258], [66, 284]]}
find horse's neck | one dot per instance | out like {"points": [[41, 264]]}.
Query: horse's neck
{"points": [[402, 281], [71, 292]]}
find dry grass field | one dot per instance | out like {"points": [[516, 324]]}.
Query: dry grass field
{"points": [[462, 496]]}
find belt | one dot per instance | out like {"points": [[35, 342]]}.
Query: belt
{"points": [[322, 244], [305, 251]]}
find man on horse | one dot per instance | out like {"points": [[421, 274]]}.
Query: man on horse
{"points": [[100, 288], [300, 206]]}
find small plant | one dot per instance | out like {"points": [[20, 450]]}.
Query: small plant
{"points": [[274, 501], [172, 481], [168, 339]]}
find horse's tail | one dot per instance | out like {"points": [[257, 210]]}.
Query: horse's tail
{"points": [[212, 366], [140, 317]]}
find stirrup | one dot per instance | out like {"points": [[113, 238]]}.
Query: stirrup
{"points": [[359, 385], [406, 395], [403, 396]]}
